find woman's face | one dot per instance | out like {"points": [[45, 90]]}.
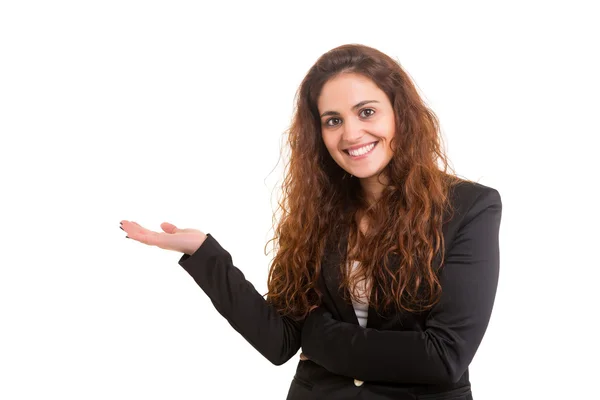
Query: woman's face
{"points": [[355, 114]]}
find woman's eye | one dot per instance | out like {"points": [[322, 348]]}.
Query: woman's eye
{"points": [[366, 113], [371, 112], [328, 122]]}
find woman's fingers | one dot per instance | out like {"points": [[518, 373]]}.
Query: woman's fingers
{"points": [[137, 232], [181, 240], [168, 227], [151, 238], [130, 225], [164, 240]]}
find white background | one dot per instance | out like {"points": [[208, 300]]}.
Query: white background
{"points": [[174, 111]]}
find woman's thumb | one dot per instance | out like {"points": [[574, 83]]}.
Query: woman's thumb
{"points": [[168, 227]]}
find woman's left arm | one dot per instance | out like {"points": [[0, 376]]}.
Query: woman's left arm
{"points": [[454, 327]]}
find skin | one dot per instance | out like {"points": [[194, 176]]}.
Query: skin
{"points": [[344, 124]]}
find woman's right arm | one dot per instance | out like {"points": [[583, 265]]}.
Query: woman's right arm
{"points": [[275, 336]]}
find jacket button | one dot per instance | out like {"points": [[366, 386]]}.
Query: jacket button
{"points": [[358, 382]]}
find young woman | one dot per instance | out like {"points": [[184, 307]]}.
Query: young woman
{"points": [[386, 265]]}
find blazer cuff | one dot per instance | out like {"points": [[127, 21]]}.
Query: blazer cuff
{"points": [[208, 249]]}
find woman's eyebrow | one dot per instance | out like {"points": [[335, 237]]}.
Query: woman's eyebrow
{"points": [[354, 107]]}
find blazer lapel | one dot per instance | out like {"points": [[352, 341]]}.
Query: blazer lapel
{"points": [[335, 257], [373, 318]]}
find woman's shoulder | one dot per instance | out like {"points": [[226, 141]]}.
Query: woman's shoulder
{"points": [[466, 192], [467, 196]]}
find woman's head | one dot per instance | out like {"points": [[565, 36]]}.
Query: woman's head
{"points": [[352, 96], [405, 130], [357, 125]]}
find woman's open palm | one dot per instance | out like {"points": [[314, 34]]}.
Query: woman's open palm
{"points": [[181, 240]]}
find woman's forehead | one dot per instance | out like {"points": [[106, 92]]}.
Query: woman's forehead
{"points": [[345, 91]]}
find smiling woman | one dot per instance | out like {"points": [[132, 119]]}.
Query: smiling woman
{"points": [[386, 265], [358, 133]]}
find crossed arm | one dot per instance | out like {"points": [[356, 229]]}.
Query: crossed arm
{"points": [[454, 328]]}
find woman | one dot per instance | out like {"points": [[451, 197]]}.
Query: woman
{"points": [[386, 265]]}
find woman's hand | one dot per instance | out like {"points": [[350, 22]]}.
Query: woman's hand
{"points": [[181, 240]]}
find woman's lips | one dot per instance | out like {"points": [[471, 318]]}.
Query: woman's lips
{"points": [[362, 155]]}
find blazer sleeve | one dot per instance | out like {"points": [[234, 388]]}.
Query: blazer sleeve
{"points": [[454, 327], [275, 336]]}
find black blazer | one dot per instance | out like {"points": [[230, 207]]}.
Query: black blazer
{"points": [[399, 355]]}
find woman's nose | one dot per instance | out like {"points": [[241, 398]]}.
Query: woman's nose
{"points": [[353, 131]]}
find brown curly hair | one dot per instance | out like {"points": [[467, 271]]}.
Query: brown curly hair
{"points": [[318, 197]]}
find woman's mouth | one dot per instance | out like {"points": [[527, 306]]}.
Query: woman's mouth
{"points": [[361, 153]]}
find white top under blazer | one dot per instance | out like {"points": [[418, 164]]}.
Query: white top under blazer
{"points": [[361, 308]]}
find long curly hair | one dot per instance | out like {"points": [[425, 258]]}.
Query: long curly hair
{"points": [[319, 197]]}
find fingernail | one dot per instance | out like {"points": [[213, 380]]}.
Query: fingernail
{"points": [[121, 228], [127, 237]]}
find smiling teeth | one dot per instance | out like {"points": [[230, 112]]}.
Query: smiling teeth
{"points": [[362, 150]]}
